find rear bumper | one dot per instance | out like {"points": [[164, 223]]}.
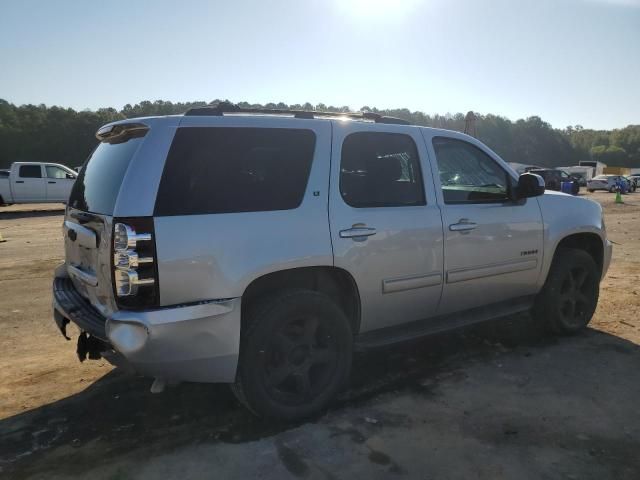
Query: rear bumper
{"points": [[69, 305], [198, 343]]}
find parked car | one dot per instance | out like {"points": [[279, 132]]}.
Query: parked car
{"points": [[608, 182], [553, 179], [261, 248], [35, 182], [580, 178], [635, 177], [632, 182]]}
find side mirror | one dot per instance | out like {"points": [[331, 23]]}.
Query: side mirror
{"points": [[71, 176], [529, 185]]}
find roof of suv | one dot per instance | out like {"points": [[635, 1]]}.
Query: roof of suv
{"points": [[235, 113], [222, 109]]}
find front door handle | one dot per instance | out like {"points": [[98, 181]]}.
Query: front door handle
{"points": [[357, 232], [463, 225], [51, 182], [19, 181]]}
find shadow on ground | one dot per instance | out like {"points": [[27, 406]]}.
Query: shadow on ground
{"points": [[120, 414], [7, 215]]}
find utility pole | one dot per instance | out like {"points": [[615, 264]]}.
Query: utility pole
{"points": [[470, 124]]}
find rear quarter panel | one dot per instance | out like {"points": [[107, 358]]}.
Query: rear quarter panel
{"points": [[203, 257]]}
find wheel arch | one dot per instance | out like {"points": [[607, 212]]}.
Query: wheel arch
{"points": [[335, 282], [588, 241]]}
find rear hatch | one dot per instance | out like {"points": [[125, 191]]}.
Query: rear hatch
{"points": [[88, 223]]}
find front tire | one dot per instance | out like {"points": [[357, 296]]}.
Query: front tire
{"points": [[295, 355], [570, 294]]}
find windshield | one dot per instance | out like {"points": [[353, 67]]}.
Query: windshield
{"points": [[98, 184]]}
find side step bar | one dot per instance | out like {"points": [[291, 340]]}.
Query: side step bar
{"points": [[388, 336]]}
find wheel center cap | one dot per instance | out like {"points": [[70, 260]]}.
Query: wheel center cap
{"points": [[299, 354]]}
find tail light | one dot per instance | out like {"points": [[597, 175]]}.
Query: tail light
{"points": [[134, 263]]}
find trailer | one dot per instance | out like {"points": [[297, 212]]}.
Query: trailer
{"points": [[598, 167]]}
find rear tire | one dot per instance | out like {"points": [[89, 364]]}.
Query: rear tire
{"points": [[295, 355], [590, 190], [570, 294]]}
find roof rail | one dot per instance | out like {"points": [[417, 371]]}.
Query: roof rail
{"points": [[221, 109]]}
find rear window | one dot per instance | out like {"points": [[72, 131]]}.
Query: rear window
{"points": [[228, 170], [96, 188], [30, 171]]}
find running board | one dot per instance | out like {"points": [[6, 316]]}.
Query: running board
{"points": [[388, 336]]}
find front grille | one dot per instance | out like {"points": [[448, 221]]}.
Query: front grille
{"points": [[77, 309]]}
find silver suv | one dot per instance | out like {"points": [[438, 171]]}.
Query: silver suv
{"points": [[259, 248]]}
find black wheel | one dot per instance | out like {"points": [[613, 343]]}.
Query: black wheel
{"points": [[612, 189], [295, 355], [570, 294], [590, 190]]}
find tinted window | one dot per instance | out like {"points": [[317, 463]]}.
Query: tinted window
{"points": [[56, 172], [226, 170], [467, 174], [380, 170], [96, 188], [30, 171]]}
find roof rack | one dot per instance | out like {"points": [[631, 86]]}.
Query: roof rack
{"points": [[220, 110]]}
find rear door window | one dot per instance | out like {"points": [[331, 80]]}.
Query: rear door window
{"points": [[228, 170], [380, 170], [30, 171], [96, 188]]}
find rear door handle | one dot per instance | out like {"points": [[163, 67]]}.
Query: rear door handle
{"points": [[463, 225], [19, 181], [357, 233], [51, 182]]}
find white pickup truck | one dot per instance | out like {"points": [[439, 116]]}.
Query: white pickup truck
{"points": [[36, 182]]}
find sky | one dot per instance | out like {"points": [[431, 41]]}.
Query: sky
{"points": [[568, 61]]}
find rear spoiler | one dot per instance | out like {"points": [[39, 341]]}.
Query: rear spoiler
{"points": [[121, 132]]}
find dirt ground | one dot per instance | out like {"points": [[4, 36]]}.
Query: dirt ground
{"points": [[498, 400]]}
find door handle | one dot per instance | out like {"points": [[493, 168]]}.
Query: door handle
{"points": [[51, 182], [19, 181], [463, 225], [357, 232]]}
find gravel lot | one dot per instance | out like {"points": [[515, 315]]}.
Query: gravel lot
{"points": [[499, 400]]}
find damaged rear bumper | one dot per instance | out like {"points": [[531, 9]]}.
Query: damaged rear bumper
{"points": [[198, 343]]}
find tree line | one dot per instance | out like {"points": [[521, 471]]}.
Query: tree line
{"points": [[63, 135]]}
